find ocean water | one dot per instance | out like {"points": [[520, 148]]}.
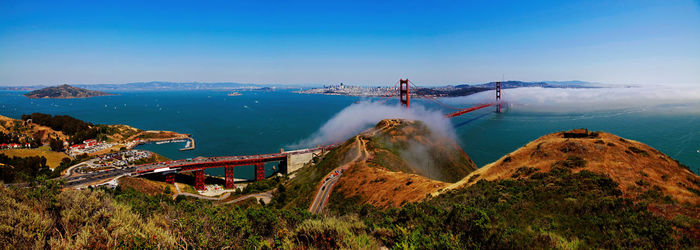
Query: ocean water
{"points": [[263, 122]]}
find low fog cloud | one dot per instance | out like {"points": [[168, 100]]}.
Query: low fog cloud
{"points": [[360, 116], [682, 99]]}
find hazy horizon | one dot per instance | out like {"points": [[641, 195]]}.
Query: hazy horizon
{"points": [[357, 43]]}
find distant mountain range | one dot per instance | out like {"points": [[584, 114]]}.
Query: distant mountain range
{"points": [[137, 86], [168, 86], [157, 85], [543, 84]]}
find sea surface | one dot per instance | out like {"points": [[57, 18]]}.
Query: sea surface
{"points": [[264, 122]]}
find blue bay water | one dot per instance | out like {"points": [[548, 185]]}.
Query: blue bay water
{"points": [[263, 122]]}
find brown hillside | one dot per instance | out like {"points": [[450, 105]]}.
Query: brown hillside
{"points": [[30, 130], [398, 161], [64, 91], [637, 167]]}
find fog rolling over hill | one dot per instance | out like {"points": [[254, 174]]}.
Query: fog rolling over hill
{"points": [[404, 161], [394, 162]]}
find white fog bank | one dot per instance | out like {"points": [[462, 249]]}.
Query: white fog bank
{"points": [[682, 98], [360, 116]]}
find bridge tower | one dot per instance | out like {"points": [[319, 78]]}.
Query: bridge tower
{"points": [[404, 93], [259, 171], [170, 178], [498, 97], [199, 179], [229, 177]]}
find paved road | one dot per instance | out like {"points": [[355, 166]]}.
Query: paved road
{"points": [[322, 195], [73, 179], [324, 192]]}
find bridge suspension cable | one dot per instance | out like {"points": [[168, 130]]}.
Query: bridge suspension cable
{"points": [[460, 111], [433, 99], [387, 96]]}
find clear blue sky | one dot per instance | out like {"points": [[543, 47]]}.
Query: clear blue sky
{"points": [[358, 42]]}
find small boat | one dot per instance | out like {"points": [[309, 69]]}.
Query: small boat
{"points": [[234, 94]]}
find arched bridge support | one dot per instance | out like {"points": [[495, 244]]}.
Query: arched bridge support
{"points": [[229, 177], [199, 179], [170, 178], [259, 171]]}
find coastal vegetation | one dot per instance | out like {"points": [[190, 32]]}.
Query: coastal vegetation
{"points": [[555, 209], [566, 202], [53, 159], [76, 129]]}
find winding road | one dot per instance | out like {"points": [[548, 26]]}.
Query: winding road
{"points": [[324, 191]]}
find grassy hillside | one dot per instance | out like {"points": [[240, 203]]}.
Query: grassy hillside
{"points": [[411, 147], [395, 162], [53, 159], [634, 165], [556, 209], [567, 205], [299, 192]]}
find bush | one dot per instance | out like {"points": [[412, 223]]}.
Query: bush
{"points": [[571, 162]]}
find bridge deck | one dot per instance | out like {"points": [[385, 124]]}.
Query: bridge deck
{"points": [[220, 161]]}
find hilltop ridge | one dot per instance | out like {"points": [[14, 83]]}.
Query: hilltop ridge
{"points": [[64, 91], [395, 162], [637, 167]]}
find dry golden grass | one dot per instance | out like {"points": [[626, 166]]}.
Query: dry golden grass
{"points": [[384, 179], [145, 186], [13, 125], [124, 132], [634, 165], [383, 188], [53, 159]]}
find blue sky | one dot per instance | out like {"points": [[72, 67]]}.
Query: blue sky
{"points": [[356, 42]]}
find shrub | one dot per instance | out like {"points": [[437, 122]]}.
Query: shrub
{"points": [[571, 162]]}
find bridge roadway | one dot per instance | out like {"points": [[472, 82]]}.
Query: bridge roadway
{"points": [[197, 164]]}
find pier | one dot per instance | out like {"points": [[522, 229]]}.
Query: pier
{"points": [[190, 144]]}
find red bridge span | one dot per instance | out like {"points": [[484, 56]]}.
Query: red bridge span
{"points": [[229, 163]]}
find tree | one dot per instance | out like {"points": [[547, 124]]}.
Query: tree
{"points": [[56, 144]]}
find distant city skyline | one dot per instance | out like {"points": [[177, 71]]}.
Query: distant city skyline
{"points": [[357, 43]]}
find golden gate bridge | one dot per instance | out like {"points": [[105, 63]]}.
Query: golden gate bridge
{"points": [[199, 164]]}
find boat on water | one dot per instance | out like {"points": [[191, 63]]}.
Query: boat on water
{"points": [[234, 94]]}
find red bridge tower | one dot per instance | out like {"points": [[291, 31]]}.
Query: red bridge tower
{"points": [[259, 171], [229, 177], [403, 92]]}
